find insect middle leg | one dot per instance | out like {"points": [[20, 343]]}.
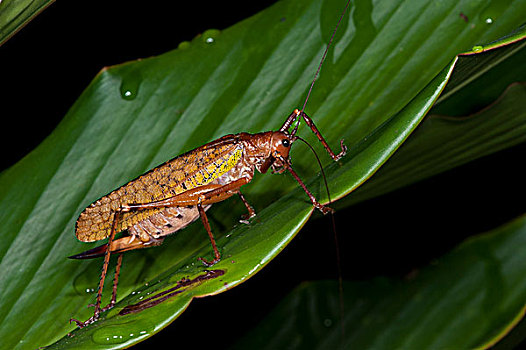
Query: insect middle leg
{"points": [[251, 211], [204, 219], [200, 196]]}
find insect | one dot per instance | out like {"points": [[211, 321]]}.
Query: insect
{"points": [[169, 197]]}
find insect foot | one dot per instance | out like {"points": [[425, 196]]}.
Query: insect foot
{"points": [[109, 306], [342, 153], [245, 218], [209, 263], [81, 324], [325, 210]]}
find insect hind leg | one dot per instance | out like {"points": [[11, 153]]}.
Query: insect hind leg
{"points": [[96, 313], [115, 283]]}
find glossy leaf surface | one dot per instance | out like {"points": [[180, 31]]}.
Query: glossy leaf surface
{"points": [[14, 14], [137, 115], [467, 299]]}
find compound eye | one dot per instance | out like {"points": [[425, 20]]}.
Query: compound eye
{"points": [[285, 142]]}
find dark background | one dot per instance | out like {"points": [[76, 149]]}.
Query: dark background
{"points": [[55, 57]]}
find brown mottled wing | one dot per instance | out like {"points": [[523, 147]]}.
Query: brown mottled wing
{"points": [[192, 169]]}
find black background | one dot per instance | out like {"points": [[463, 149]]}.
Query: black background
{"points": [[51, 61]]}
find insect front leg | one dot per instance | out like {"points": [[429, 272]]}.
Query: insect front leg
{"points": [[310, 123], [315, 130], [324, 209]]}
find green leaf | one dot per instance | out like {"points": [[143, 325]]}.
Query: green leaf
{"points": [[469, 298], [442, 143], [14, 14], [276, 226], [485, 89], [486, 57], [137, 115]]}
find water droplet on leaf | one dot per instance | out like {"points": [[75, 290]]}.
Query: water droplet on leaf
{"points": [[119, 333], [210, 36], [493, 11], [130, 86]]}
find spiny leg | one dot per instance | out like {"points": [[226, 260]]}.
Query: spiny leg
{"points": [[107, 254], [115, 283]]}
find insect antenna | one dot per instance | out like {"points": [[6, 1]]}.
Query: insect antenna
{"points": [[320, 65], [288, 123]]}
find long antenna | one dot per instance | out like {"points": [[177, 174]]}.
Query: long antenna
{"points": [[325, 54], [338, 258]]}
